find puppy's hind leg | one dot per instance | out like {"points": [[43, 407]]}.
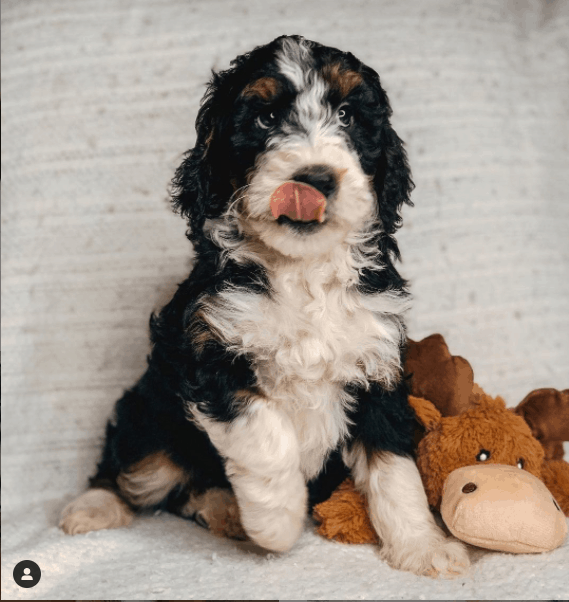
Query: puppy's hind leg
{"points": [[145, 484], [94, 510], [100, 507]]}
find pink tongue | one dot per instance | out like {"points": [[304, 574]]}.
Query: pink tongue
{"points": [[299, 202]]}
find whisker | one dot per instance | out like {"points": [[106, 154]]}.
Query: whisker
{"points": [[232, 209]]}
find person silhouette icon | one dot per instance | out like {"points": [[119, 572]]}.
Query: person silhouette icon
{"points": [[26, 573], [27, 576]]}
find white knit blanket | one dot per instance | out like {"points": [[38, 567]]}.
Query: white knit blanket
{"points": [[99, 98]]}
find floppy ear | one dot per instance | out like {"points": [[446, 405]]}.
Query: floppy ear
{"points": [[198, 191], [392, 181], [190, 186]]}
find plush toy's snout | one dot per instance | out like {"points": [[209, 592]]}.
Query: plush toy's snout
{"points": [[503, 508]]}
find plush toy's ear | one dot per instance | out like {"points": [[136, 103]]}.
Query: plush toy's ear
{"points": [[426, 412], [547, 413]]}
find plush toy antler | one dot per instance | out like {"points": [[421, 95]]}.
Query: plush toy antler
{"points": [[437, 375], [547, 413]]}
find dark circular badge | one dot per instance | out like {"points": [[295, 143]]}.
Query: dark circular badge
{"points": [[27, 573]]}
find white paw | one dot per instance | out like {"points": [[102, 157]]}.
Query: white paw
{"points": [[275, 530], [96, 509], [273, 506], [444, 557]]}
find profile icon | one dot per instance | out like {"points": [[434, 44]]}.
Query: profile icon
{"points": [[27, 576], [26, 573]]}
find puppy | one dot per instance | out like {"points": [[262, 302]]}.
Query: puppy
{"points": [[277, 366]]}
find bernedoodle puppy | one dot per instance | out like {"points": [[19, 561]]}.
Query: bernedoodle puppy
{"points": [[277, 366]]}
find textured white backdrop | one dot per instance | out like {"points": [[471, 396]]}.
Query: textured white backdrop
{"points": [[99, 99]]}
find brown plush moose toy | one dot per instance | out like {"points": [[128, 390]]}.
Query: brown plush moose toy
{"points": [[497, 475]]}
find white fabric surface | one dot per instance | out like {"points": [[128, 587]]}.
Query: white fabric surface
{"points": [[99, 98]]}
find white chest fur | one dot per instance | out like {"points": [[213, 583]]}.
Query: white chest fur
{"points": [[309, 338]]}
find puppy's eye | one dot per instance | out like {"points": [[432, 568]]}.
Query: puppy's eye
{"points": [[483, 455], [346, 116], [521, 463], [267, 120]]}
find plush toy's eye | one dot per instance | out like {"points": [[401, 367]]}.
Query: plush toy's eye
{"points": [[483, 455], [521, 463], [267, 120], [346, 116]]}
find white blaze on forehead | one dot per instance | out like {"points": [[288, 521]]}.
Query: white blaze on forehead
{"points": [[310, 110], [294, 62]]}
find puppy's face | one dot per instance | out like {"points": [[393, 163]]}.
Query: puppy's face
{"points": [[311, 116], [296, 140]]}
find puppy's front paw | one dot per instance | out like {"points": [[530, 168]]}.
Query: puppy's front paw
{"points": [[272, 505], [275, 530], [449, 559], [440, 556]]}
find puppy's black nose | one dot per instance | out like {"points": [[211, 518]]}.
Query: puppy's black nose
{"points": [[320, 177]]}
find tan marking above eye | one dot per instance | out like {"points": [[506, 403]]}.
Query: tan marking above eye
{"points": [[265, 87], [343, 80]]}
